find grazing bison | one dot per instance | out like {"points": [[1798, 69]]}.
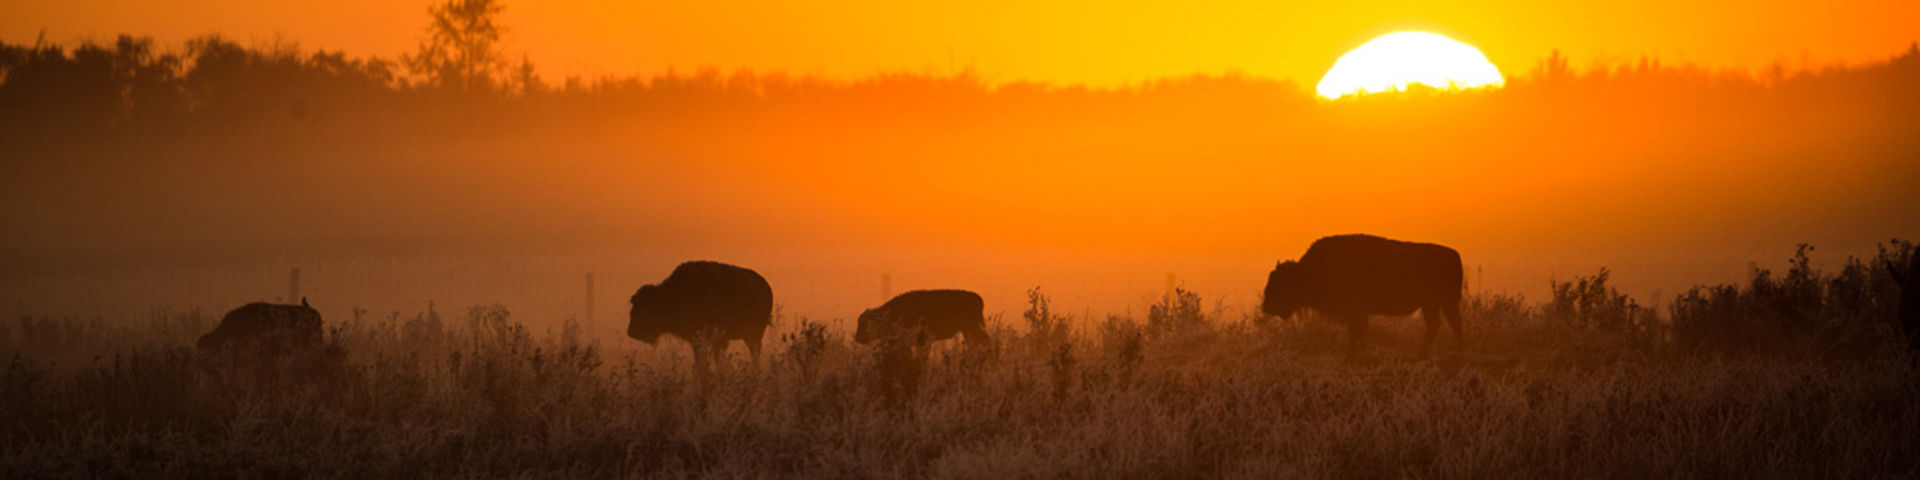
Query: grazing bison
{"points": [[1349, 277], [704, 301], [266, 325], [1909, 300], [933, 314]]}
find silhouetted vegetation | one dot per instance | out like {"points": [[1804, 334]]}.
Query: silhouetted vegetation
{"points": [[53, 95], [462, 51], [1848, 313], [133, 86], [1589, 304], [1569, 388]]}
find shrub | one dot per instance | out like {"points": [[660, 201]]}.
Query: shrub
{"points": [[1180, 311], [1588, 302], [1807, 312], [806, 346], [1044, 329], [1497, 309], [1124, 342]]}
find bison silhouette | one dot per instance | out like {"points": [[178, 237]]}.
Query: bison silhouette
{"points": [[1349, 277], [266, 325], [930, 315], [704, 302], [1909, 300]]}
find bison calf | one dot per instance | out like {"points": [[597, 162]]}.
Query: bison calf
{"points": [[930, 315], [704, 302], [1349, 277], [266, 325]]}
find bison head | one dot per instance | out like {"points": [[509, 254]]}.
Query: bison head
{"points": [[884, 327], [644, 322], [1284, 293], [868, 327]]}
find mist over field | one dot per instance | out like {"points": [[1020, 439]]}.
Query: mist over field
{"points": [[142, 174]]}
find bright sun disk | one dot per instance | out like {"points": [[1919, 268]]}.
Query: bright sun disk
{"points": [[1396, 60]]}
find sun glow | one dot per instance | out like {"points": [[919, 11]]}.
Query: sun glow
{"points": [[1396, 60]]}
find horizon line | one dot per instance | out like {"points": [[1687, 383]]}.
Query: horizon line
{"points": [[1599, 63]]}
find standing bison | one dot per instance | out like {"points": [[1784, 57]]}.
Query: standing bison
{"points": [[267, 326], [1349, 277], [704, 302], [1909, 300], [931, 315]]}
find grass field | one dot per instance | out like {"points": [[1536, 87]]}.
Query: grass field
{"points": [[1542, 390]]}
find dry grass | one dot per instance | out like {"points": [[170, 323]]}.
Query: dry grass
{"points": [[1188, 393]]}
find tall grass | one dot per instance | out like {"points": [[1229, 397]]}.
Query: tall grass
{"points": [[1572, 387]]}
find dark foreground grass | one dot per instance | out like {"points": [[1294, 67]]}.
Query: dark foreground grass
{"points": [[1185, 393]]}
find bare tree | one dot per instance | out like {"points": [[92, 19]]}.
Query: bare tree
{"points": [[525, 81], [463, 49]]}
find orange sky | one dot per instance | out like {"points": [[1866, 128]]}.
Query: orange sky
{"points": [[1100, 43]]}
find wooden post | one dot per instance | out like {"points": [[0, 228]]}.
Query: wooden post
{"points": [[293, 288], [586, 324], [886, 287]]}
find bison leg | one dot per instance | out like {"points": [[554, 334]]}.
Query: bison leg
{"points": [[753, 343], [702, 356], [1356, 335], [1454, 320], [1433, 317], [709, 348], [720, 350]]}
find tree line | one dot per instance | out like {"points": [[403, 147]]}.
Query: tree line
{"points": [[133, 84]]}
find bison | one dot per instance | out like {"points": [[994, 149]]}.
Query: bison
{"points": [[1349, 277], [1909, 300], [933, 315], [704, 301], [266, 325]]}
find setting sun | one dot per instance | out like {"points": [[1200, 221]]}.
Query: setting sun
{"points": [[1394, 61]]}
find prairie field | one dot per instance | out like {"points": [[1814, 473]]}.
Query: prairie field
{"points": [[1799, 375], [446, 215]]}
